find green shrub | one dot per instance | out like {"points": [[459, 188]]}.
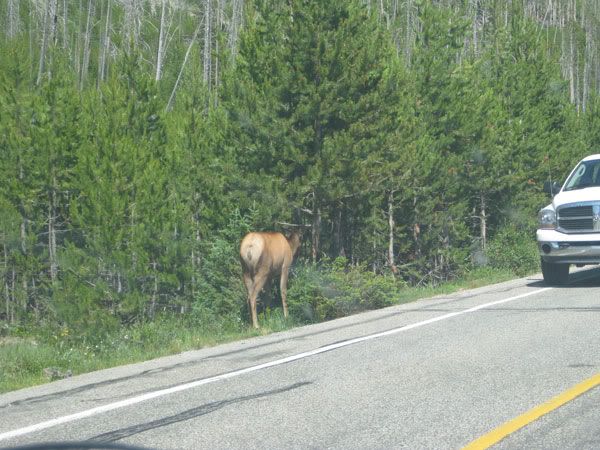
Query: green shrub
{"points": [[513, 249], [219, 287], [333, 289]]}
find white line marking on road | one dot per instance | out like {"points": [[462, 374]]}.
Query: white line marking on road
{"points": [[183, 387]]}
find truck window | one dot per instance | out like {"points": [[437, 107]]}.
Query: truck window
{"points": [[585, 175]]}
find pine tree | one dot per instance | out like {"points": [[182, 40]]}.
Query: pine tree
{"points": [[536, 123], [321, 89], [42, 138], [439, 205], [122, 205]]}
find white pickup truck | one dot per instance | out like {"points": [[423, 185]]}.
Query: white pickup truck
{"points": [[569, 228]]}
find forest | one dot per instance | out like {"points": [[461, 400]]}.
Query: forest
{"points": [[141, 139]]}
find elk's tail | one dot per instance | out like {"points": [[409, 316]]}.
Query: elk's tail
{"points": [[251, 250]]}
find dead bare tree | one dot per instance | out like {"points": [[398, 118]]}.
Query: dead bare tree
{"points": [[207, 49], [64, 20], [235, 24], [52, 254], [160, 57], [103, 63], [86, 44], [391, 225], [13, 21], [183, 64], [219, 25], [44, 47], [133, 16]]}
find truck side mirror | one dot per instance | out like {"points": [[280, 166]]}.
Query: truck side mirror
{"points": [[552, 187]]}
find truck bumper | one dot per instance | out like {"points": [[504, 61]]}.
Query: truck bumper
{"points": [[555, 247]]}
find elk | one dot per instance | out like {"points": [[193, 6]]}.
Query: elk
{"points": [[264, 254]]}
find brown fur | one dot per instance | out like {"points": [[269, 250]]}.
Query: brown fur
{"points": [[264, 255]]}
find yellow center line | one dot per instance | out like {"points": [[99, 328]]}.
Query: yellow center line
{"points": [[497, 434]]}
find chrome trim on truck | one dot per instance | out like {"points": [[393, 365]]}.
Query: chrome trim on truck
{"points": [[582, 217]]}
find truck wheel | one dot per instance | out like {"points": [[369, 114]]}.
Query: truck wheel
{"points": [[555, 273]]}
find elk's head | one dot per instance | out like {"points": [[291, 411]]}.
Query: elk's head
{"points": [[294, 235]]}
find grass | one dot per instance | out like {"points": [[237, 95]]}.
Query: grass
{"points": [[477, 278], [27, 361]]}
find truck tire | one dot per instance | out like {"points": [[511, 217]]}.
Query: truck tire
{"points": [[555, 274]]}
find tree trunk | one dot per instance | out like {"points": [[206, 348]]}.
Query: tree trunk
{"points": [[31, 39], [416, 231], [195, 258], [337, 249], [316, 233], [154, 291], [408, 35], [219, 19], [77, 60], [13, 26], [391, 224], [52, 233], [24, 250], [161, 42], [588, 55], [572, 63], [53, 21], [206, 53], [35, 299], [13, 290], [23, 236], [132, 23], [476, 8], [102, 70], [235, 25], [185, 60], [5, 278], [384, 15], [43, 50], [86, 44], [65, 37], [483, 221]]}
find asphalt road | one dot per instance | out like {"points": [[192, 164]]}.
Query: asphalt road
{"points": [[437, 373]]}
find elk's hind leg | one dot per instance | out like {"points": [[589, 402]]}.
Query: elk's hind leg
{"points": [[260, 278], [283, 288], [249, 282]]}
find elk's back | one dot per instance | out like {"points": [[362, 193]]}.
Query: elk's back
{"points": [[260, 249]]}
